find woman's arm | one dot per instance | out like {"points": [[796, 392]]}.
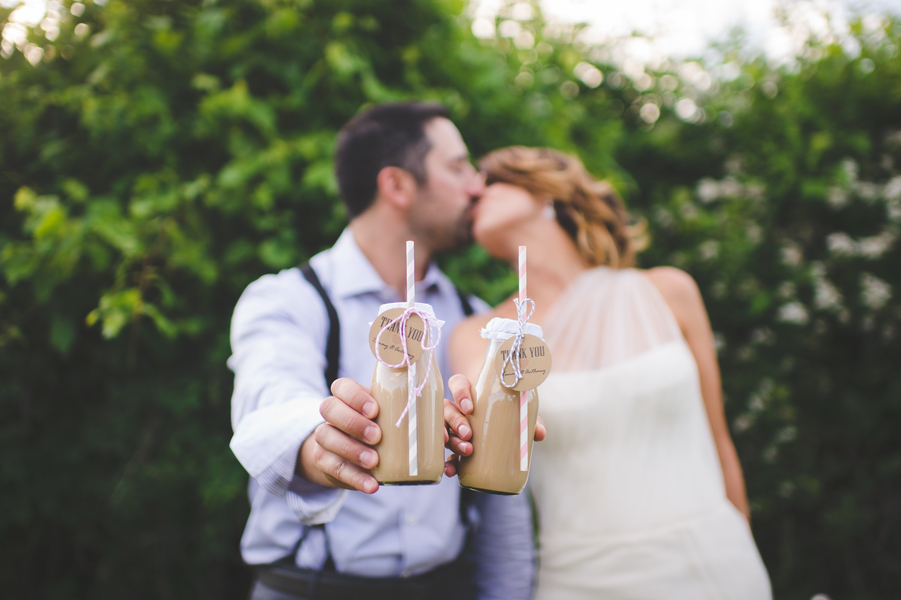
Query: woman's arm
{"points": [[684, 298], [464, 364], [466, 348]]}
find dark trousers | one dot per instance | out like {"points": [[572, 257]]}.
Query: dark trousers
{"points": [[452, 581], [261, 592]]}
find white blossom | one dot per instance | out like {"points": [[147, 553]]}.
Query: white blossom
{"points": [[792, 254], [837, 197], [730, 187], [867, 190], [743, 423], [787, 289], [709, 249], [763, 335], [689, 211], [793, 312], [787, 434], [841, 244], [874, 292], [826, 296], [850, 168], [708, 190], [892, 189], [876, 246], [893, 210], [754, 233]]}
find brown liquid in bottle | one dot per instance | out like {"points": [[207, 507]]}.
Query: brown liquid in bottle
{"points": [[389, 389], [494, 463]]}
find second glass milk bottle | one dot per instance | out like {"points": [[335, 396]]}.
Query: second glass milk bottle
{"points": [[494, 465]]}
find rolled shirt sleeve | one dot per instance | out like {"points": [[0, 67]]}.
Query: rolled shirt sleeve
{"points": [[278, 332]]}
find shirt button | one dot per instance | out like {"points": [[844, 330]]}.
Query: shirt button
{"points": [[411, 520]]}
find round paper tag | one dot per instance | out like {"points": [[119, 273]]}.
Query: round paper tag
{"points": [[390, 348], [534, 363]]}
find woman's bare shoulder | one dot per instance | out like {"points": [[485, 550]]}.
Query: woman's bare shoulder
{"points": [[672, 281], [680, 291]]}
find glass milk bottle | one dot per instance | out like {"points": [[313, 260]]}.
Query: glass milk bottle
{"points": [[494, 465], [389, 389]]}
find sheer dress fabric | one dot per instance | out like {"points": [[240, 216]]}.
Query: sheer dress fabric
{"points": [[628, 486]]}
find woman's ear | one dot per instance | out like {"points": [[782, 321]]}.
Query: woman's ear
{"points": [[397, 186]]}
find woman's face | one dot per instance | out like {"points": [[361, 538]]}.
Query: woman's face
{"points": [[500, 212]]}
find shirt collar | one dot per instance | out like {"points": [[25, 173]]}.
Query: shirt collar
{"points": [[354, 275]]}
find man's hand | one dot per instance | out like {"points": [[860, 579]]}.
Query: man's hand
{"points": [[457, 431], [339, 453]]}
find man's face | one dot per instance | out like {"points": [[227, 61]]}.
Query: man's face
{"points": [[441, 211]]}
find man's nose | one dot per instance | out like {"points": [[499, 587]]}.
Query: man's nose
{"points": [[477, 185]]}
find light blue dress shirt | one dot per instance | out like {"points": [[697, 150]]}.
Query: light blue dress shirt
{"points": [[278, 338]]}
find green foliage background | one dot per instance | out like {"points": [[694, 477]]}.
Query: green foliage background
{"points": [[164, 156]]}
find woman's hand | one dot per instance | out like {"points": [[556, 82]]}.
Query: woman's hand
{"points": [[457, 431]]}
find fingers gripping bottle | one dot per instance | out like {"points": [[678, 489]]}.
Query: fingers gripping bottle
{"points": [[503, 420], [409, 390]]}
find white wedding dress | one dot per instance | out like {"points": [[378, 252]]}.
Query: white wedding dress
{"points": [[628, 486]]}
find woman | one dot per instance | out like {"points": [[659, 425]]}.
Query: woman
{"points": [[638, 487]]}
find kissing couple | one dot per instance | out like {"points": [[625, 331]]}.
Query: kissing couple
{"points": [[637, 490]]}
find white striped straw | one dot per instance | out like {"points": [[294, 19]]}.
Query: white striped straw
{"points": [[411, 423], [411, 276], [413, 450], [523, 396]]}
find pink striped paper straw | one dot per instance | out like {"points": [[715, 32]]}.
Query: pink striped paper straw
{"points": [[412, 451], [523, 431], [522, 274], [523, 396], [411, 276]]}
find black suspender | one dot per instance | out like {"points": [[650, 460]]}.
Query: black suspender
{"points": [[464, 302], [333, 345]]}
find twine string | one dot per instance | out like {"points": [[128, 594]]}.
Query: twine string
{"points": [[522, 319]]}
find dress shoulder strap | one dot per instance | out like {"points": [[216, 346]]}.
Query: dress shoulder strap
{"points": [[607, 317]]}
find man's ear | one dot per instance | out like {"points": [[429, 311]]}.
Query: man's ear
{"points": [[397, 186]]}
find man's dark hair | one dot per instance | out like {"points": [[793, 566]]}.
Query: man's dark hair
{"points": [[386, 135]]}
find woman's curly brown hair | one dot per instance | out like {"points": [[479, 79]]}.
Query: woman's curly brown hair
{"points": [[590, 211]]}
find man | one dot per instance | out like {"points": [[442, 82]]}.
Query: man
{"points": [[404, 173]]}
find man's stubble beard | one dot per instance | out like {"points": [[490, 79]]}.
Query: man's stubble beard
{"points": [[441, 236]]}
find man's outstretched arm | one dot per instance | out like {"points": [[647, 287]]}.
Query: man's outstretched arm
{"points": [[278, 337]]}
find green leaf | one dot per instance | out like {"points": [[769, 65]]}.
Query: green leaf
{"points": [[62, 334]]}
